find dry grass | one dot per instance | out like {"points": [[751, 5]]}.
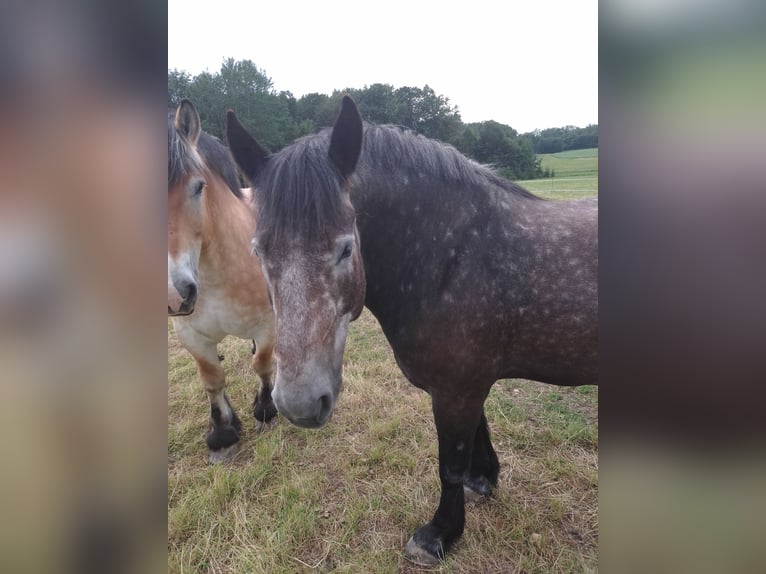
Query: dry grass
{"points": [[346, 498]]}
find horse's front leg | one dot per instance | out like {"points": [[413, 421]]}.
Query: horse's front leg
{"points": [[457, 419], [223, 434], [264, 408], [482, 476]]}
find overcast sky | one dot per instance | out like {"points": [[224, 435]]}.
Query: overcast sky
{"points": [[526, 64]]}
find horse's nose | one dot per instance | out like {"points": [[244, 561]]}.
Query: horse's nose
{"points": [[303, 411], [189, 293], [325, 409]]}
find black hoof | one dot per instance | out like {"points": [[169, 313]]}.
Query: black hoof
{"points": [[425, 547], [223, 442], [224, 454], [221, 437], [264, 411], [476, 488]]}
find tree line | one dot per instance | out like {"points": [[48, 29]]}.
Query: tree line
{"points": [[553, 140], [278, 118]]}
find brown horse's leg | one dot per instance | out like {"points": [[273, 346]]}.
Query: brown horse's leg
{"points": [[223, 434], [264, 409], [482, 475], [456, 424], [222, 437]]}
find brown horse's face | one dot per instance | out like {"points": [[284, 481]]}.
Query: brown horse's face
{"points": [[186, 217], [185, 233], [316, 290], [316, 280]]}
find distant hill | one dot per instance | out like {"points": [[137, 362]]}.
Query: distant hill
{"points": [[573, 163], [575, 175]]}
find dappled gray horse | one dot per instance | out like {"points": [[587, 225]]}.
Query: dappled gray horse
{"points": [[472, 278]]}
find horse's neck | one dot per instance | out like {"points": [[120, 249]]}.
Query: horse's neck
{"points": [[410, 231]]}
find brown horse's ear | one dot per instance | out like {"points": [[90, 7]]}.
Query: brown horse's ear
{"points": [[346, 139], [187, 121], [248, 153]]}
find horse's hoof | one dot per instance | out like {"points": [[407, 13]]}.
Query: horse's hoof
{"points": [[420, 556], [471, 495], [426, 547], [264, 412], [476, 489], [224, 454], [261, 426]]}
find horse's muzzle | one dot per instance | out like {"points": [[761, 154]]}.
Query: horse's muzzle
{"points": [[306, 414], [189, 298]]}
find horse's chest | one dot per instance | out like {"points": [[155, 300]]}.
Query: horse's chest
{"points": [[218, 316]]}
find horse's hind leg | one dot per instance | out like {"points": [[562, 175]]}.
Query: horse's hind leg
{"points": [[223, 434], [264, 409], [456, 424], [484, 469]]}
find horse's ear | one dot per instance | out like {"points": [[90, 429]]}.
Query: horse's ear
{"points": [[248, 153], [187, 121], [346, 139]]}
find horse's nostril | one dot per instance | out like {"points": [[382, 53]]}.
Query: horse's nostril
{"points": [[191, 292], [325, 407]]}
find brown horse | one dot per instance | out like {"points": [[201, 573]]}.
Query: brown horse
{"points": [[215, 285], [472, 278]]}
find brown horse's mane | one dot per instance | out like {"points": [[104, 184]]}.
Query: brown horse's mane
{"points": [[215, 155]]}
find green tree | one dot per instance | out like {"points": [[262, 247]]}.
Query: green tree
{"points": [[244, 77], [250, 93], [375, 102], [426, 112], [205, 92], [178, 87], [467, 139], [277, 118], [318, 110], [243, 87], [499, 145], [552, 140]]}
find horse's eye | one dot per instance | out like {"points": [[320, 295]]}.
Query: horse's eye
{"points": [[199, 186], [346, 253]]}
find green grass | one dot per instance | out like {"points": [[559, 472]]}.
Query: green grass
{"points": [[345, 498], [573, 163], [576, 175]]}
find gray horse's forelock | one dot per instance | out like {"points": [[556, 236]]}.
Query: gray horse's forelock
{"points": [[299, 194]]}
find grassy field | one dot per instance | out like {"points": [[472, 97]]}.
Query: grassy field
{"points": [[576, 175], [346, 498]]}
